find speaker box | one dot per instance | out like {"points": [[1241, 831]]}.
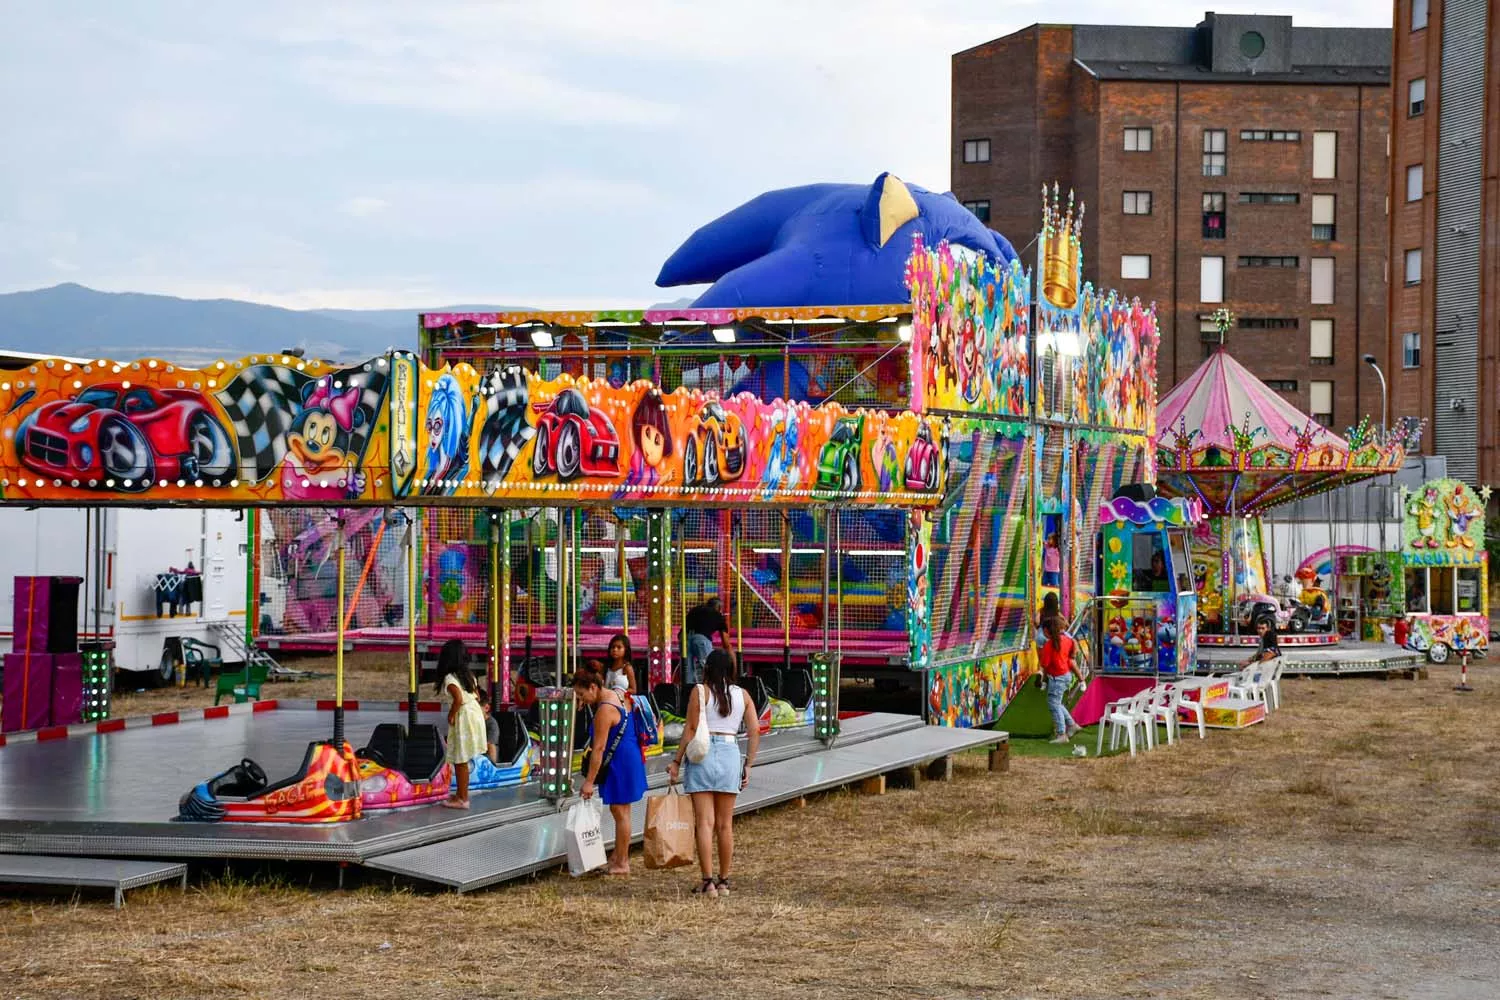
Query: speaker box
{"points": [[1139, 492], [46, 614]]}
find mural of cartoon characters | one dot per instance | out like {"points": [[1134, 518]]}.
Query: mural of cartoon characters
{"points": [[1462, 511], [448, 424], [883, 453], [319, 464], [118, 436], [1423, 509], [838, 462], [574, 439], [714, 451], [651, 437], [782, 471]]}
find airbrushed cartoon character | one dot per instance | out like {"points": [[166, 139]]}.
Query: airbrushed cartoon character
{"points": [[319, 464], [1423, 507], [1462, 512]]}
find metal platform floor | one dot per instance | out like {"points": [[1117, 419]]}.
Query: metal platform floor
{"points": [[115, 794], [1345, 658], [97, 873], [519, 849]]}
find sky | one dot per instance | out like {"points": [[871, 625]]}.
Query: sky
{"points": [[548, 153]]}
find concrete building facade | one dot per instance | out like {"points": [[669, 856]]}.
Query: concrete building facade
{"points": [[1241, 163]]}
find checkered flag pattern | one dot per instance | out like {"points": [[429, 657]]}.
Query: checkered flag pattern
{"points": [[264, 401], [505, 429]]}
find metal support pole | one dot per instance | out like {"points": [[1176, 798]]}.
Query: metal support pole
{"points": [[494, 615], [786, 591], [505, 593], [560, 656], [411, 621], [338, 661], [737, 529], [827, 571], [838, 555]]}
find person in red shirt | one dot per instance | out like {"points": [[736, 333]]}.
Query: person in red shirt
{"points": [[1060, 656]]}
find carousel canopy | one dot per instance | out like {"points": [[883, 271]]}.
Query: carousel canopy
{"points": [[1225, 437]]}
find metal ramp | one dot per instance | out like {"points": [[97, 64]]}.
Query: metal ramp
{"points": [[519, 849], [232, 637], [101, 873]]}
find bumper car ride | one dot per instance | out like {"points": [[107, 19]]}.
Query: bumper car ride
{"points": [[325, 789]]}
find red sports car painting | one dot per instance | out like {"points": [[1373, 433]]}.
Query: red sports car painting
{"points": [[118, 436], [572, 440]]}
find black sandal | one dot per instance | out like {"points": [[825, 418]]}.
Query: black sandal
{"points": [[723, 886], [706, 887]]}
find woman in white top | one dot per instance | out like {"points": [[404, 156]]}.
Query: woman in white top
{"points": [[714, 781]]}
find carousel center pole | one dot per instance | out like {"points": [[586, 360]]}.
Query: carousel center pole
{"points": [[505, 595], [411, 622], [338, 653], [494, 616]]}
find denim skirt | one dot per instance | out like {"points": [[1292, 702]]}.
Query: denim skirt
{"points": [[718, 772]]}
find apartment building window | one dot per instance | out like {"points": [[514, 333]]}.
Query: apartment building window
{"points": [[1208, 328], [1320, 402], [1269, 135], [1414, 182], [1137, 203], [1325, 155], [1323, 227], [1416, 96], [1261, 261], [1215, 152], [1414, 267], [1138, 140], [1268, 322], [1281, 384], [1211, 279], [1214, 226], [1322, 281], [1135, 265], [1269, 198], [1320, 342], [981, 209], [976, 151], [1418, 14], [1411, 350]]}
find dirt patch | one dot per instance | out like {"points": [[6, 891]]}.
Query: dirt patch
{"points": [[1345, 849]]}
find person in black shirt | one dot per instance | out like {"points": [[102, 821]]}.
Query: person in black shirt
{"points": [[704, 623], [1269, 649]]}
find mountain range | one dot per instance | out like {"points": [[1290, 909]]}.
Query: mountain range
{"points": [[73, 320]]}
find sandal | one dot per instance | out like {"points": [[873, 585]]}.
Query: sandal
{"points": [[723, 886], [707, 888]]}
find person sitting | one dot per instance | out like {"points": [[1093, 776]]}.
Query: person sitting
{"points": [[491, 726], [1268, 649]]}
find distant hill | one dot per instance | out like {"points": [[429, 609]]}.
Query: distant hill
{"points": [[74, 320]]}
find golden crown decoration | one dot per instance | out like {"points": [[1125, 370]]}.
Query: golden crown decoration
{"points": [[1062, 233]]}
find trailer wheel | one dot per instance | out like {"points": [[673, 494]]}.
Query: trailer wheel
{"points": [[1438, 652]]}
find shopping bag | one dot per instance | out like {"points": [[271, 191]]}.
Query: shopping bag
{"points": [[585, 838], [669, 830]]}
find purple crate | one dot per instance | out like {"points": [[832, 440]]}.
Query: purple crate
{"points": [[28, 691], [67, 688]]}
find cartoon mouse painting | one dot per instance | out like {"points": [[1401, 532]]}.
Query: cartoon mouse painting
{"points": [[319, 464]]}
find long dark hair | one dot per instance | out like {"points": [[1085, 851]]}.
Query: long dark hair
{"points": [[1050, 607], [650, 412], [629, 652], [718, 670], [1052, 625], [454, 661]]}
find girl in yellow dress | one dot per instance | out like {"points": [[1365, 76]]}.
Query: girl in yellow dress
{"points": [[465, 718]]}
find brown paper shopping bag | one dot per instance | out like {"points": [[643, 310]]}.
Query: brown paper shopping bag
{"points": [[669, 830]]}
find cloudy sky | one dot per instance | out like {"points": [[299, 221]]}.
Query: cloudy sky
{"points": [[406, 154]]}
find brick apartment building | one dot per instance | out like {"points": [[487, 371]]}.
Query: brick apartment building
{"points": [[1240, 163], [1445, 229]]}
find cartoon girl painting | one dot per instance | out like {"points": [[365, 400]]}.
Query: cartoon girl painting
{"points": [[447, 438], [319, 464], [652, 436], [883, 452], [782, 471]]}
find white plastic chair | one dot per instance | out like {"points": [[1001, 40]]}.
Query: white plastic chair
{"points": [[1122, 717], [1273, 684], [1162, 708], [1251, 685], [1191, 706]]}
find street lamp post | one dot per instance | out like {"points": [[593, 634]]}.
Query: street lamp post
{"points": [[1385, 410]]}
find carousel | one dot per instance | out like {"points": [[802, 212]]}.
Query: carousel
{"points": [[1228, 440]]}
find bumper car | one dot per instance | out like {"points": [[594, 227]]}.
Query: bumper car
{"points": [[325, 789], [399, 768], [515, 751]]}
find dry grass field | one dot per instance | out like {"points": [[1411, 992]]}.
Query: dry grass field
{"points": [[1348, 848]]}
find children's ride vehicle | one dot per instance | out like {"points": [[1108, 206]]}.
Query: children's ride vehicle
{"points": [[838, 462], [1251, 609], [714, 451], [514, 751], [399, 768], [126, 437], [325, 789], [922, 462], [573, 440]]}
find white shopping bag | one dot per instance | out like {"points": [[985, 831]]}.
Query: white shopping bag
{"points": [[585, 837]]}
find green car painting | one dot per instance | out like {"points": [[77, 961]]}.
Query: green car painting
{"points": [[838, 462]]}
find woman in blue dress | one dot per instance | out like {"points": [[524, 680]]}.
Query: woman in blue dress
{"points": [[614, 750]]}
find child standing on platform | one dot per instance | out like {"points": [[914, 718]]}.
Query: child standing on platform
{"points": [[465, 717]]}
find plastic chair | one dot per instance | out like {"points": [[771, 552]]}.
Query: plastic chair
{"points": [[1273, 684], [1162, 708], [201, 658], [1124, 716], [1251, 684], [1192, 707]]}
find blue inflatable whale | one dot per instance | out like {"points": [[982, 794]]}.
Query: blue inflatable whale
{"points": [[823, 244]]}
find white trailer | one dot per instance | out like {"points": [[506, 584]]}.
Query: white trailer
{"points": [[120, 552]]}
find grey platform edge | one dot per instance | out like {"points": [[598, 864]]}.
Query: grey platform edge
{"points": [[514, 851], [1332, 661], [377, 834], [95, 873]]}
